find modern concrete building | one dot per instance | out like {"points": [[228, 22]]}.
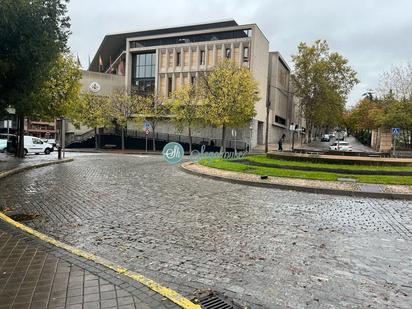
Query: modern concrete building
{"points": [[285, 115], [162, 60]]}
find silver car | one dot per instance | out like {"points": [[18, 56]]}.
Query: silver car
{"points": [[341, 146]]}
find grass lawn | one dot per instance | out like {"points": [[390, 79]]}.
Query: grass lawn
{"points": [[277, 172], [264, 159]]}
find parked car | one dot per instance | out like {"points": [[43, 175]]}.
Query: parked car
{"points": [[3, 145], [50, 141], [36, 145], [325, 138], [341, 146]]}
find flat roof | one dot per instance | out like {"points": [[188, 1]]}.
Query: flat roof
{"points": [[114, 44]]}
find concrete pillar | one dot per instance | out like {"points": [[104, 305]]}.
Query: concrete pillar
{"points": [[198, 58], [157, 57], [241, 53], [214, 55], [167, 60], [206, 56], [174, 60], [190, 59], [128, 68]]}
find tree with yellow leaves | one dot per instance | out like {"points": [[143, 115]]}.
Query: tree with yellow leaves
{"points": [[185, 109], [230, 93]]}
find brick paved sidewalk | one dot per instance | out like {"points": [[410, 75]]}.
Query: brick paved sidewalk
{"points": [[37, 275]]}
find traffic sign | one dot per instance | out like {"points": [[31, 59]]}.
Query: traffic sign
{"points": [[147, 131], [147, 126], [396, 131]]}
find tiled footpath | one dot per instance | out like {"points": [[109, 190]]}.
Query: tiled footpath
{"points": [[37, 275]]}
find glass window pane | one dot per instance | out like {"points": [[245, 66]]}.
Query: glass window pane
{"points": [[141, 72], [153, 71], [141, 59]]}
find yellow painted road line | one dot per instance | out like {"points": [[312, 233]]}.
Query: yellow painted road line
{"points": [[164, 291]]}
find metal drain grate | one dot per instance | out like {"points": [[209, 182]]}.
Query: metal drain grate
{"points": [[20, 217], [215, 300]]}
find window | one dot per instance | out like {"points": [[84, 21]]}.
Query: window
{"points": [[228, 53], [202, 57], [145, 65], [245, 54], [143, 76], [37, 141], [192, 79], [248, 32], [169, 85], [280, 120], [178, 59]]}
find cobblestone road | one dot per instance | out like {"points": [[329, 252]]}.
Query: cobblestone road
{"points": [[264, 247]]}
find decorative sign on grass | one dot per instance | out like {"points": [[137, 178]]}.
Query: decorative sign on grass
{"points": [[173, 153], [197, 155]]}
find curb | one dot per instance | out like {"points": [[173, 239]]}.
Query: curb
{"points": [[380, 195], [168, 293], [33, 166], [164, 291], [114, 152]]}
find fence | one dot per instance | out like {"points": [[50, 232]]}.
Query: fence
{"points": [[167, 137]]}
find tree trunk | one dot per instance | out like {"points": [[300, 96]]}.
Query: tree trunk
{"points": [[223, 148], [122, 138], [190, 139], [95, 138], [154, 139], [20, 142], [309, 133]]}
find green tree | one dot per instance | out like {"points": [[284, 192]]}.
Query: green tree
{"points": [[367, 114], [185, 109], [60, 92], [123, 107], [33, 35], [323, 80], [91, 110], [230, 94], [154, 110]]}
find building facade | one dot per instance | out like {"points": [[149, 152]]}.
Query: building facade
{"points": [[161, 61]]}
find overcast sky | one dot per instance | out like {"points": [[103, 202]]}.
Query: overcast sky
{"points": [[373, 35]]}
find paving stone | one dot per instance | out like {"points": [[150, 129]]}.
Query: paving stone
{"points": [[265, 247], [30, 289]]}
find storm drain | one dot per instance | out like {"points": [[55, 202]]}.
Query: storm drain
{"points": [[21, 217], [215, 300]]}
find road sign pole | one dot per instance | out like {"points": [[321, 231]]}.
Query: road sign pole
{"points": [[146, 141], [395, 134], [394, 145]]}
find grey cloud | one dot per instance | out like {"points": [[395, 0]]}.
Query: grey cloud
{"points": [[373, 35]]}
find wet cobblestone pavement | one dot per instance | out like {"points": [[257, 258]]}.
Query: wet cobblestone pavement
{"points": [[266, 248], [36, 275]]}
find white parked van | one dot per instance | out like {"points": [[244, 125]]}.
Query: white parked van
{"points": [[36, 145]]}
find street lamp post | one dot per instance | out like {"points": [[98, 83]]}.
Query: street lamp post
{"points": [[250, 135]]}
